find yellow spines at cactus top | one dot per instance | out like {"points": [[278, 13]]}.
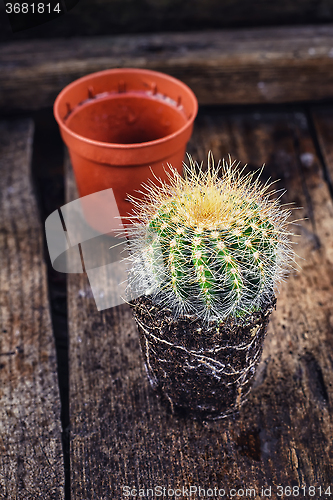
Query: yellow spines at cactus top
{"points": [[214, 243]]}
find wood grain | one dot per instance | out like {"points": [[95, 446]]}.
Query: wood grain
{"points": [[123, 435], [323, 123], [260, 65], [31, 459]]}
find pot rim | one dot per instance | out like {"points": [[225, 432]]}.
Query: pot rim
{"points": [[131, 146]]}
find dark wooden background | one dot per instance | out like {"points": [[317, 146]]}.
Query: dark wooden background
{"points": [[78, 419], [108, 17]]}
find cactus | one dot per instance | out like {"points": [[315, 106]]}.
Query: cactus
{"points": [[212, 243]]}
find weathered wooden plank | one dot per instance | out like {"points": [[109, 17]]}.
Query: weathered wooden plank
{"points": [[323, 122], [31, 459], [123, 435], [282, 64]]}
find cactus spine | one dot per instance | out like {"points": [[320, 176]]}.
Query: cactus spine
{"points": [[212, 243]]}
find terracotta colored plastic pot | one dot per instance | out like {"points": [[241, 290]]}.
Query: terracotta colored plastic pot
{"points": [[117, 123]]}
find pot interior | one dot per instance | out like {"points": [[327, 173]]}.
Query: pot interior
{"points": [[128, 118]]}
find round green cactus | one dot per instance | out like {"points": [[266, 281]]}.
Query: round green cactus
{"points": [[212, 243]]}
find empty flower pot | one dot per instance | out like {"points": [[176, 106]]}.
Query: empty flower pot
{"points": [[120, 125]]}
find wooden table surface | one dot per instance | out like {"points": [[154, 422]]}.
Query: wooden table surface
{"points": [[121, 434]]}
